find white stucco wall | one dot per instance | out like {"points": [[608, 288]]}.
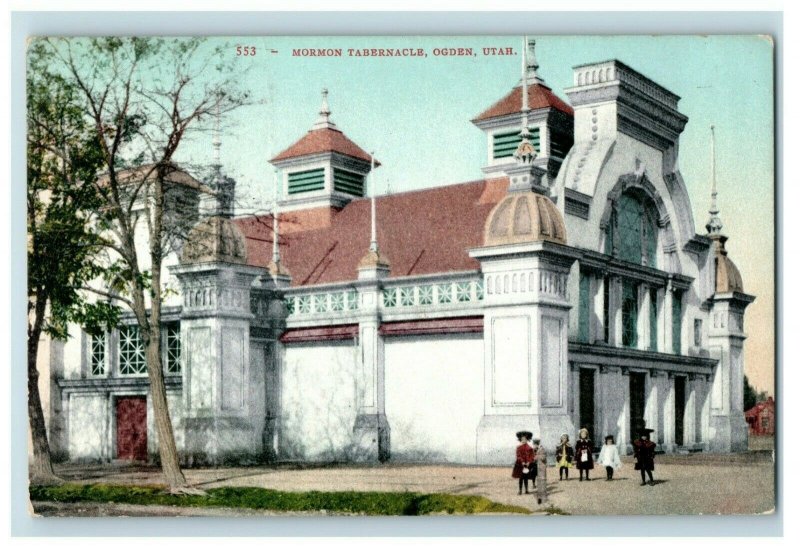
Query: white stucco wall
{"points": [[318, 400], [434, 397], [88, 426]]}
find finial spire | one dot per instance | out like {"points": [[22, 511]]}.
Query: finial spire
{"points": [[373, 241], [217, 144], [276, 253], [324, 120], [530, 64], [525, 153], [714, 224]]}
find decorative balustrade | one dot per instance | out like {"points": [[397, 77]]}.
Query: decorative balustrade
{"points": [[322, 303], [433, 294]]}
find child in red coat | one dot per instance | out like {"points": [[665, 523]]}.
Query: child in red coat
{"points": [[523, 467]]}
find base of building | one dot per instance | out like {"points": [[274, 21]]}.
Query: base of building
{"points": [[372, 437], [496, 435]]}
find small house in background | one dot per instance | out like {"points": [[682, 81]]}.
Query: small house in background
{"points": [[761, 418]]}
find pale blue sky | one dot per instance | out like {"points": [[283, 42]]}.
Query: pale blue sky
{"points": [[415, 114]]}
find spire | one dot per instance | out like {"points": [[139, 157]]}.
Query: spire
{"points": [[276, 253], [373, 264], [324, 120], [714, 224], [525, 153], [373, 241], [531, 65]]}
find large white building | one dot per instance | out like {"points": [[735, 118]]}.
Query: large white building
{"points": [[567, 287]]}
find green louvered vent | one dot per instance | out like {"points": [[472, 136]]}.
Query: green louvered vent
{"points": [[306, 181], [505, 144], [348, 182]]}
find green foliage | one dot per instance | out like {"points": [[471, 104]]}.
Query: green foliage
{"points": [[751, 396], [346, 502], [63, 160]]}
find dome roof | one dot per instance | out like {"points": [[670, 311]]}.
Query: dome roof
{"points": [[728, 277], [215, 239], [524, 217]]}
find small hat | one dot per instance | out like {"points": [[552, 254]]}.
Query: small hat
{"points": [[645, 431], [525, 434]]}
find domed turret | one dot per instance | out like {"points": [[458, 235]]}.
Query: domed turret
{"points": [[215, 239], [523, 217]]}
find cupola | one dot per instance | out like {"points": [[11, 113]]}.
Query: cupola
{"points": [[549, 123], [323, 168]]}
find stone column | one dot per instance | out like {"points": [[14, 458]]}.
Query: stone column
{"points": [[615, 311], [669, 414], [220, 421], [525, 337], [666, 314], [651, 413], [625, 440], [662, 386], [690, 414], [705, 412], [611, 401], [371, 430], [728, 429], [644, 317], [596, 316]]}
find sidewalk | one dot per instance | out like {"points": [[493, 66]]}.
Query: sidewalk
{"points": [[685, 484]]}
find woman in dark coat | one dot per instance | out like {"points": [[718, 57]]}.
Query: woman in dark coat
{"points": [[583, 454], [644, 454], [523, 466]]}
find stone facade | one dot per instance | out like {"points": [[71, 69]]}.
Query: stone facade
{"points": [[593, 303]]}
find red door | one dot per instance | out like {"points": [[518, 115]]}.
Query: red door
{"points": [[132, 428]]}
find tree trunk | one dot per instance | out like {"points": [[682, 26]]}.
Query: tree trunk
{"points": [[42, 467], [167, 450]]}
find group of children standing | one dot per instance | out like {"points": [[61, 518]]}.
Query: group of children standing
{"points": [[581, 457]]}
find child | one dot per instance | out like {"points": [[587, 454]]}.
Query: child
{"points": [[535, 465], [644, 453], [583, 453], [525, 458], [609, 457], [541, 487], [564, 455]]}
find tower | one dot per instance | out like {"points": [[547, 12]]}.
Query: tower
{"points": [[726, 335], [525, 264], [549, 123], [323, 168]]}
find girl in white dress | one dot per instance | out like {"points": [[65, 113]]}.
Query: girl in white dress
{"points": [[609, 457]]}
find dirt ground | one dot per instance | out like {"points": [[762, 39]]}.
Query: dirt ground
{"points": [[685, 484]]}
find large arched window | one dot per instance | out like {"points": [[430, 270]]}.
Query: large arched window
{"points": [[633, 229]]}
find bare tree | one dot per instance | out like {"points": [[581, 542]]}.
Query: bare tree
{"points": [[143, 96]]}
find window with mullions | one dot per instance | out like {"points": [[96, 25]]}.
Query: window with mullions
{"points": [[653, 319], [173, 344], [606, 308], [633, 230], [583, 307], [131, 352], [677, 311], [98, 355], [630, 314]]}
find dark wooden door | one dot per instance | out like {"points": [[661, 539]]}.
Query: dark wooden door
{"points": [[587, 402], [637, 385], [680, 408], [131, 428]]}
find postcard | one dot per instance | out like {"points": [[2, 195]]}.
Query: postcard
{"points": [[405, 275]]}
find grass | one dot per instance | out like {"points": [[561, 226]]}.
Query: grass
{"points": [[345, 502]]}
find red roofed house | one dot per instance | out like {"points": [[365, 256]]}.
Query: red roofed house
{"points": [[565, 287], [761, 418]]}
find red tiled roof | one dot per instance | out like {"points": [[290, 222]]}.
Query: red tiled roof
{"points": [[324, 140], [539, 96], [760, 406], [420, 232]]}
